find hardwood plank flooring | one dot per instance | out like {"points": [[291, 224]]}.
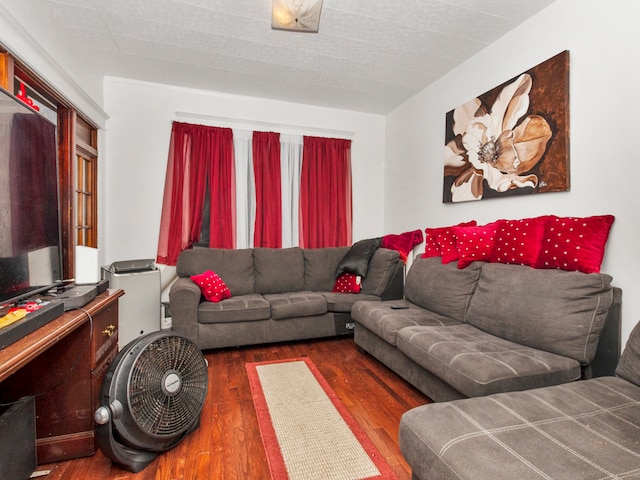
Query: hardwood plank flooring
{"points": [[228, 446]]}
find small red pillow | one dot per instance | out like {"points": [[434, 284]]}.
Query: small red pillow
{"points": [[440, 242], [212, 286], [431, 246], [518, 241], [475, 244], [574, 243], [348, 283]]}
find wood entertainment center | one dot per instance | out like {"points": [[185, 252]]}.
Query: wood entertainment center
{"points": [[63, 363]]}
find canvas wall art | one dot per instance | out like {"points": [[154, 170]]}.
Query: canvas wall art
{"points": [[511, 140]]}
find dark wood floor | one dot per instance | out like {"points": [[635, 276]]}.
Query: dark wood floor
{"points": [[228, 445]]}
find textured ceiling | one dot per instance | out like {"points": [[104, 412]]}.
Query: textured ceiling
{"points": [[369, 55]]}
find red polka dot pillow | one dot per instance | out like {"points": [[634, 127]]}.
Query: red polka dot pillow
{"points": [[348, 283], [518, 241], [431, 246], [440, 242], [212, 286], [574, 243], [475, 244]]}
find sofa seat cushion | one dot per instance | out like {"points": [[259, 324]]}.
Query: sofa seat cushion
{"points": [[240, 308], [344, 302], [385, 322], [477, 363], [296, 304], [583, 430]]}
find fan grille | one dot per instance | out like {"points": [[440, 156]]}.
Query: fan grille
{"points": [[167, 386]]}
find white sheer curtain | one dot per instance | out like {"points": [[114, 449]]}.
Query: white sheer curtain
{"points": [[291, 169], [245, 188]]}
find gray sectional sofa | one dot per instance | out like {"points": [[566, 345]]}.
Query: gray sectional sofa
{"points": [[276, 294], [587, 430], [491, 328]]}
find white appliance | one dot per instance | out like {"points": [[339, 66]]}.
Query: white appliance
{"points": [[139, 307]]}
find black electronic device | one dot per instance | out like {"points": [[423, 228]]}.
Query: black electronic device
{"points": [[150, 399], [30, 241], [77, 297], [399, 307], [132, 266], [33, 321]]}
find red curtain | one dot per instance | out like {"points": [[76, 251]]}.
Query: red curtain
{"points": [[325, 193], [195, 153], [266, 169]]}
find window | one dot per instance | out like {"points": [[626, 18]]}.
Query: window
{"points": [[86, 185]]}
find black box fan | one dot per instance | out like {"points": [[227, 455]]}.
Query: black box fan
{"points": [[151, 398]]}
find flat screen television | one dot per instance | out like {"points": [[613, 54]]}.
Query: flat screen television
{"points": [[30, 242]]}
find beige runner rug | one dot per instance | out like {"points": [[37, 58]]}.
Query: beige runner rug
{"points": [[307, 432]]}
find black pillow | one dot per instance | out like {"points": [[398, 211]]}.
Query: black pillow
{"points": [[357, 258]]}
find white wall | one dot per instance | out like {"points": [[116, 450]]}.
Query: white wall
{"points": [[139, 128], [605, 100]]}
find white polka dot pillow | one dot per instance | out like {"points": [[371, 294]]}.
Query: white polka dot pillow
{"points": [[475, 244], [440, 242], [575, 243], [212, 286], [518, 241], [348, 283]]}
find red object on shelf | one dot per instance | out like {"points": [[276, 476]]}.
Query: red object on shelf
{"points": [[22, 95]]}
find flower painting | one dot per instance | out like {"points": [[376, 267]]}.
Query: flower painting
{"points": [[513, 139]]}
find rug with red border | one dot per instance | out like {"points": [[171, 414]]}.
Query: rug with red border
{"points": [[307, 432]]}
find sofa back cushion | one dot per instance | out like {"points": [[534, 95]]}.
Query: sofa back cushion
{"points": [[629, 364], [320, 266], [443, 289], [234, 266], [382, 266], [553, 310], [278, 270]]}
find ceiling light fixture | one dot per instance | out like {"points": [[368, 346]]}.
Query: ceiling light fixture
{"points": [[296, 15]]}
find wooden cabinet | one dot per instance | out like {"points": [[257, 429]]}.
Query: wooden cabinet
{"points": [[63, 364]]}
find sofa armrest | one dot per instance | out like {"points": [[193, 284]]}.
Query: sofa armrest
{"points": [[184, 299], [609, 343]]}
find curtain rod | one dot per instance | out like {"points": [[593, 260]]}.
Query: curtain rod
{"points": [[257, 124]]}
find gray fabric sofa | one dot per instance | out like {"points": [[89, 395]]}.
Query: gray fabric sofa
{"points": [[276, 294], [588, 430], [492, 328]]}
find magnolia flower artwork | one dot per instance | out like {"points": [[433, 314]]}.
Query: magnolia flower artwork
{"points": [[513, 139]]}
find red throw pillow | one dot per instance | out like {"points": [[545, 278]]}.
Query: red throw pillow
{"points": [[574, 243], [348, 283], [431, 246], [212, 286], [475, 244], [440, 242], [518, 241]]}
